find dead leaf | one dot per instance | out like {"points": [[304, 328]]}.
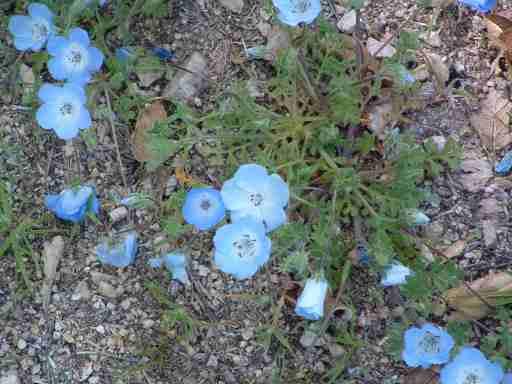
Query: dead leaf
{"points": [[374, 48], [492, 123], [145, 121], [182, 177], [476, 174], [52, 254], [493, 288], [438, 68], [422, 376], [380, 119], [455, 249]]}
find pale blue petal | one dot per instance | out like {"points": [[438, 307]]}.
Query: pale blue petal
{"points": [[46, 115], [155, 262], [21, 27], [194, 213], [76, 92], [57, 69], [48, 93], [252, 212], [40, 10], [251, 177], [176, 264], [95, 59], [57, 45], [50, 201], [234, 197], [415, 354], [273, 216], [507, 379], [292, 13], [65, 130], [80, 36], [120, 254], [79, 78], [471, 360], [277, 190], [480, 5], [310, 304], [23, 44], [84, 120], [410, 353]]}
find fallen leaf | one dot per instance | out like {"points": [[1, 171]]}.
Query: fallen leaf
{"points": [[476, 174], [492, 123], [52, 254], [182, 177], [374, 48], [495, 289], [438, 68], [455, 249], [380, 119], [145, 121], [422, 376]]}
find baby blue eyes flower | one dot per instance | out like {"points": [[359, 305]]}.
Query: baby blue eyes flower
{"points": [[73, 204], [241, 248], [101, 2], [471, 367], [507, 379], [395, 274], [120, 252], [504, 166], [74, 59], [426, 346], [480, 5], [203, 208], [63, 110], [125, 54], [254, 193], [294, 12], [32, 32], [310, 304], [175, 263]]}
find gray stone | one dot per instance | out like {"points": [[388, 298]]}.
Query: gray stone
{"points": [[147, 78], [187, 85], [348, 22], [233, 5], [26, 74], [212, 361], [118, 214], [11, 377], [477, 174], [490, 233]]}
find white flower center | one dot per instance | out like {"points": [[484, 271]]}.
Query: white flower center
{"points": [[76, 57], [39, 31], [472, 378], [256, 199], [300, 6], [245, 247], [66, 109], [430, 343]]}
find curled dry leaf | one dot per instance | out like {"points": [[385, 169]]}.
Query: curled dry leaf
{"points": [[493, 121], [438, 68], [495, 289], [147, 118], [422, 376], [52, 253], [455, 249]]}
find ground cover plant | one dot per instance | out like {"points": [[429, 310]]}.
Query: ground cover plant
{"points": [[316, 185]]}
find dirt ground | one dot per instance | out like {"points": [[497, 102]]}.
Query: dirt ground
{"points": [[94, 334]]}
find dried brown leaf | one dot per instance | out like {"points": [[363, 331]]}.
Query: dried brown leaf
{"points": [[147, 118], [422, 376], [455, 249]]}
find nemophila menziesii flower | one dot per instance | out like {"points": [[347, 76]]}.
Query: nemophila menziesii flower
{"points": [[119, 252], [507, 379], [395, 274], [32, 32], [203, 208], [470, 366], [63, 109], [176, 263], [74, 203], [241, 248], [480, 5], [426, 346], [253, 192], [294, 12], [100, 2], [74, 59], [416, 217], [310, 304], [125, 54]]}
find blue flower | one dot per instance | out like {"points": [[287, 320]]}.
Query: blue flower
{"points": [[32, 32], [175, 263], [426, 346], [74, 59], [405, 77], [119, 252], [73, 204], [125, 54], [480, 5], [163, 54], [471, 366], [504, 166], [252, 192], [63, 109], [203, 208], [395, 274], [507, 379], [293, 12], [310, 304], [101, 2], [241, 248], [416, 217]]}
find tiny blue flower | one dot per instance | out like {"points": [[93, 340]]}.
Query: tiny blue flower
{"points": [[363, 256], [125, 54], [63, 109], [471, 367], [74, 59], [310, 304], [507, 379], [406, 77], [241, 248], [119, 252], [480, 5], [163, 54], [416, 217], [252, 192], [73, 204], [101, 2], [504, 166], [395, 274], [176, 263], [294, 12], [32, 32], [426, 346], [203, 208]]}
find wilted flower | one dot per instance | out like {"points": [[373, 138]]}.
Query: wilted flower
{"points": [[74, 59], [241, 248], [426, 346], [294, 12], [32, 32], [118, 252], [63, 109], [471, 367], [175, 263], [395, 274], [252, 192], [480, 5], [310, 304], [73, 204], [203, 208]]}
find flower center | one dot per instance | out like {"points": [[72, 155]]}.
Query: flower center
{"points": [[300, 6], [205, 204], [66, 109], [256, 199], [471, 379], [430, 343], [39, 32], [75, 57], [245, 247]]}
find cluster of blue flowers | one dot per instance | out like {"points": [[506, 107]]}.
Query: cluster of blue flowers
{"points": [[431, 345], [73, 60]]}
